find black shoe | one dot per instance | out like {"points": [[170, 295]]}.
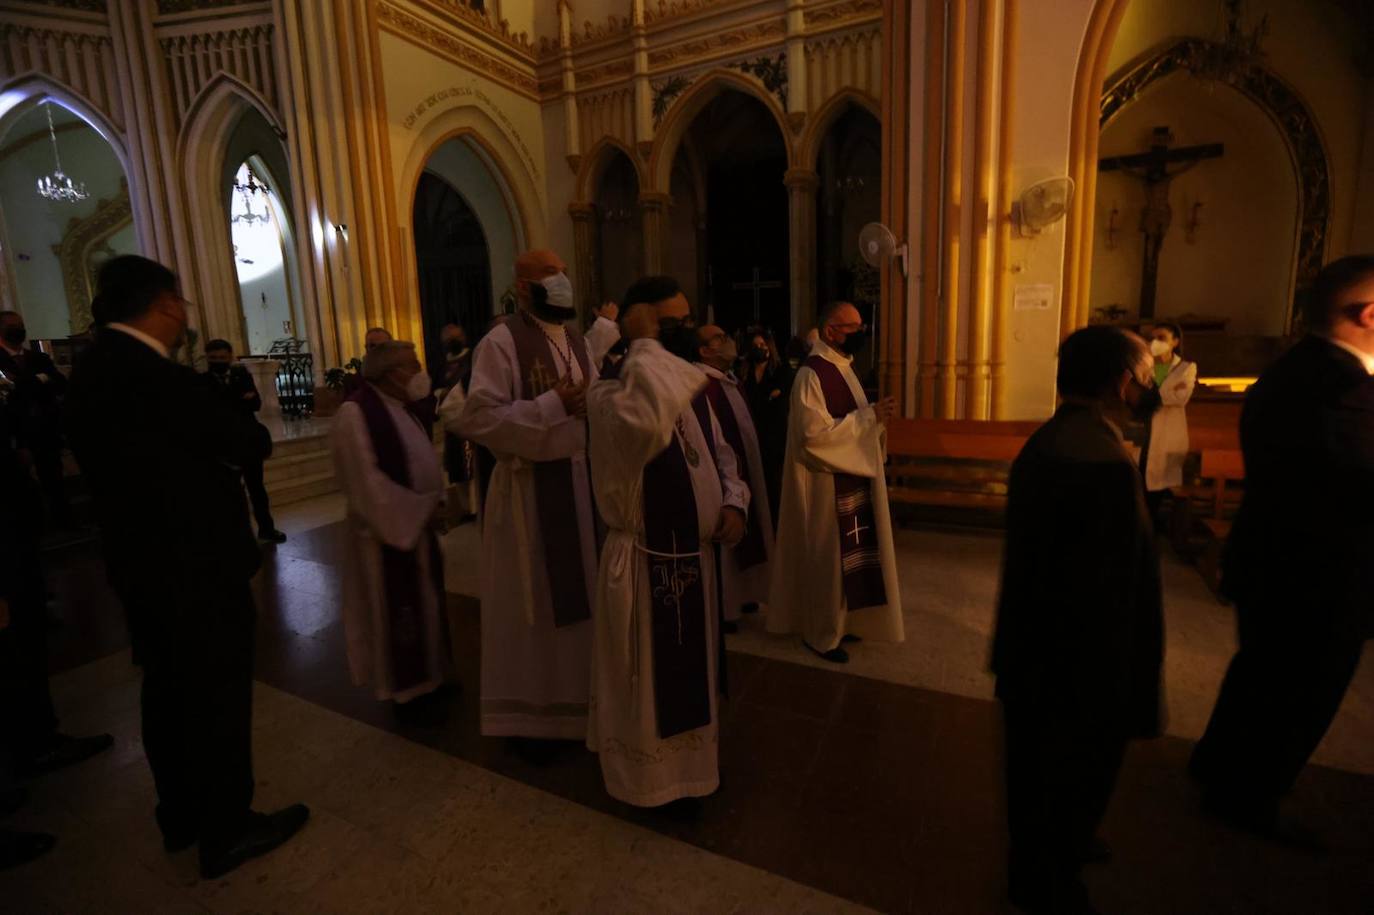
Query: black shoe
{"points": [[63, 751], [11, 799], [851, 639], [427, 711], [1264, 821], [18, 848], [271, 536], [729, 627], [834, 655], [533, 750], [263, 833]]}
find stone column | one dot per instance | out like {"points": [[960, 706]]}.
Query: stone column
{"points": [[653, 213], [802, 184], [264, 372], [584, 259]]}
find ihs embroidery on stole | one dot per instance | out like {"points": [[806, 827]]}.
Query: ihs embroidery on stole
{"points": [[692, 457]]}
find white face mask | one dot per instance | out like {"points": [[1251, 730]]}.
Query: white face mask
{"points": [[417, 388], [1160, 348], [560, 290]]}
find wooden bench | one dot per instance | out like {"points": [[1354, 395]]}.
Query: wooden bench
{"points": [[952, 470], [1220, 468]]}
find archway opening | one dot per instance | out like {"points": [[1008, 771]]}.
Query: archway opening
{"points": [[742, 156], [256, 229], [453, 264], [55, 243], [620, 227]]}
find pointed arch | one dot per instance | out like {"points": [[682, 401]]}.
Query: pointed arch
{"points": [[826, 115], [598, 159], [679, 118], [214, 93]]}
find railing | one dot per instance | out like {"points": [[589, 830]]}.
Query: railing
{"points": [[295, 377]]}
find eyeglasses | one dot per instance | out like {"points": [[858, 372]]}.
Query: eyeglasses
{"points": [[850, 327]]}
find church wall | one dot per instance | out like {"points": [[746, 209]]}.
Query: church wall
{"points": [[1240, 265], [561, 184], [460, 166]]}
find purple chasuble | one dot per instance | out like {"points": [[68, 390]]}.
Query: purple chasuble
{"points": [[682, 688], [400, 568], [860, 556], [555, 501], [750, 551]]}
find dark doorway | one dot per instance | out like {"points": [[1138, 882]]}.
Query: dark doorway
{"points": [[739, 146], [452, 262], [620, 230]]}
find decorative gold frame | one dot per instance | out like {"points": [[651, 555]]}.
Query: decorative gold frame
{"points": [[83, 238]]}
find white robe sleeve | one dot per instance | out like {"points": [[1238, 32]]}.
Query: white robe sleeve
{"points": [[1178, 391], [536, 430], [638, 410], [395, 514], [600, 337], [851, 445], [734, 491]]}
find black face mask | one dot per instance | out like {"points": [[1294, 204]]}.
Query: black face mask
{"points": [[757, 355], [454, 347], [854, 343], [219, 368], [541, 309], [679, 337], [15, 336]]}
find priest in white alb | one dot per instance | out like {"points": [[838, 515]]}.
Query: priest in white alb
{"points": [[744, 568], [393, 597], [834, 570], [667, 488], [526, 404]]}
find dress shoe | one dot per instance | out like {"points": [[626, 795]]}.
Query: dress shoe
{"points": [[18, 848], [272, 536], [851, 639], [1264, 821], [262, 833], [62, 751], [834, 656]]}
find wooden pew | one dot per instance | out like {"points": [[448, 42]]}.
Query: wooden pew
{"points": [[1221, 470], [952, 470]]}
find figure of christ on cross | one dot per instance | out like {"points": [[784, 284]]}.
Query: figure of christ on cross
{"points": [[1153, 168], [757, 285]]}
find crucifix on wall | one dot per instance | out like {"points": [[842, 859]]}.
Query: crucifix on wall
{"points": [[1156, 169], [757, 285]]}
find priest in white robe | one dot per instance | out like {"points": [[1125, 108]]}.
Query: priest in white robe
{"points": [[393, 599], [835, 571], [667, 489], [745, 575], [526, 404]]}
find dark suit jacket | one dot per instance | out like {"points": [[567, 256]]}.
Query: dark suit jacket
{"points": [[35, 405], [240, 394], [1302, 546], [161, 453], [1080, 623]]}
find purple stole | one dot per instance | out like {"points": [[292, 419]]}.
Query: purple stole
{"points": [[400, 568], [860, 556], [554, 500], [682, 692], [750, 551]]}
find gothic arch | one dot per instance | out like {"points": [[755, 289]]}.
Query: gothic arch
{"points": [[21, 95], [595, 162], [821, 120], [683, 111]]}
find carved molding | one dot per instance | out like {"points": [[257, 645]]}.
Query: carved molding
{"points": [[771, 71], [83, 238], [166, 7], [399, 22], [672, 9], [707, 45], [483, 21], [842, 12], [607, 71], [90, 6], [1289, 113]]}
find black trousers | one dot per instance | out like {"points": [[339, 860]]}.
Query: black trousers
{"points": [[47, 464], [197, 700], [1278, 699], [257, 497], [1060, 777], [28, 720]]}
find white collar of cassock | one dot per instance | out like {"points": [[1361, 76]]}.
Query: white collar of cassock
{"points": [[151, 342], [713, 372], [828, 352], [557, 331]]}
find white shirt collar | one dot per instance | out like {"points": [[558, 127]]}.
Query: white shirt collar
{"points": [[826, 351], [1365, 358], [714, 372], [151, 342]]}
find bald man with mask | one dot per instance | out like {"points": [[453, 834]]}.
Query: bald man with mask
{"points": [[526, 404]]}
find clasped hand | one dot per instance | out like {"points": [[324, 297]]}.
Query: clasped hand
{"points": [[573, 394], [730, 528]]}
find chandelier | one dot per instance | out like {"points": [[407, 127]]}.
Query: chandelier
{"points": [[1236, 55], [57, 187], [250, 189]]}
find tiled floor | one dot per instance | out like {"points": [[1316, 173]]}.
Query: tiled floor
{"points": [[866, 787]]}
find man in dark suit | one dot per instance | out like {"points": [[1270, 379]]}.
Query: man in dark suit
{"points": [[233, 383], [1299, 562], [37, 410], [162, 453], [1080, 627]]}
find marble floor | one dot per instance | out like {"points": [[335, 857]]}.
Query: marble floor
{"points": [[873, 786]]}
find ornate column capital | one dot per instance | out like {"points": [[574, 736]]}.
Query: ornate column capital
{"points": [[582, 212], [655, 200], [801, 179]]}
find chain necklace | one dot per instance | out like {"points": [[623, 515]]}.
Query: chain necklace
{"points": [[565, 358]]}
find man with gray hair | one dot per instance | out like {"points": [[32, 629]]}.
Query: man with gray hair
{"points": [[393, 587]]}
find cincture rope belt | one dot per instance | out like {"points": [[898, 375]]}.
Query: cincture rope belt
{"points": [[634, 617]]}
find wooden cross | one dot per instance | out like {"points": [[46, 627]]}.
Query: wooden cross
{"points": [[538, 378], [1152, 168], [856, 531], [757, 286]]}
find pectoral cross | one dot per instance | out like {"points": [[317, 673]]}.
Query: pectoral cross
{"points": [[858, 529], [1153, 169], [539, 378], [757, 286]]}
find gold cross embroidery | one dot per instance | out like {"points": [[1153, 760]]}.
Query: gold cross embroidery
{"points": [[538, 380]]}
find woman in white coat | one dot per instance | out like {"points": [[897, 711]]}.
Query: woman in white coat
{"points": [[1166, 445]]}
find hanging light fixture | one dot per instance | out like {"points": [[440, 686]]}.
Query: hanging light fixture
{"points": [[57, 187], [248, 190]]}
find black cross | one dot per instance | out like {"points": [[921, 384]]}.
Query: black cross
{"points": [[757, 285]]}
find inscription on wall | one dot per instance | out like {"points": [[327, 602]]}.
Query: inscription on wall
{"points": [[458, 94]]}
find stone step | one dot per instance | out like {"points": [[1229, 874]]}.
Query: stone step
{"points": [[293, 446], [294, 466], [302, 488]]}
